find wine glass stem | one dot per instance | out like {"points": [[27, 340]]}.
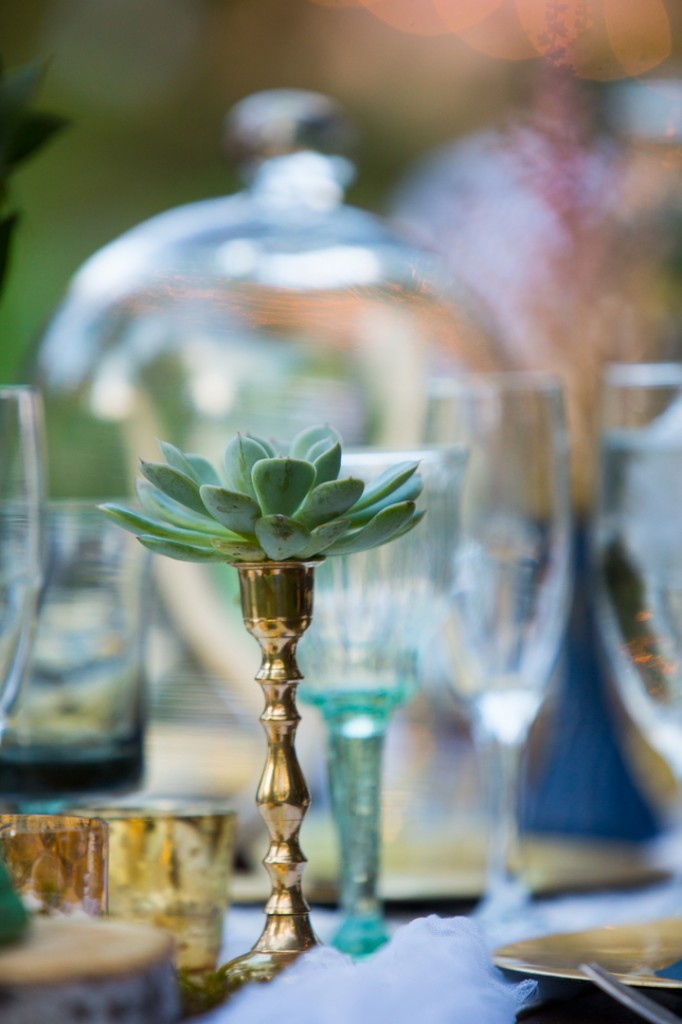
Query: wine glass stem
{"points": [[500, 761], [355, 764]]}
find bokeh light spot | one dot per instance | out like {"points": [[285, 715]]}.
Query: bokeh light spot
{"points": [[639, 33], [553, 26], [416, 17], [458, 15], [598, 39], [500, 35]]}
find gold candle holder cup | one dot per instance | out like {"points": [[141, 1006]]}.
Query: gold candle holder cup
{"points": [[170, 865], [57, 862]]}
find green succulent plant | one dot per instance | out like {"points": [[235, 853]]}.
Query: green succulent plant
{"points": [[267, 505]]}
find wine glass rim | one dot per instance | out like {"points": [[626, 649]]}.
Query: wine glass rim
{"points": [[510, 380], [420, 453], [645, 374]]}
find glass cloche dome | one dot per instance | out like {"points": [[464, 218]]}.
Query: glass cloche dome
{"points": [[263, 311]]}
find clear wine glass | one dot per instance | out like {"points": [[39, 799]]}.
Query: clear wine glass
{"points": [[510, 599], [21, 517], [637, 546], [375, 613]]}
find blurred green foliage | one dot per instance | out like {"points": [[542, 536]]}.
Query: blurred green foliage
{"points": [[23, 131]]}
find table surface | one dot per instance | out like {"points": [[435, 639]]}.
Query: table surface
{"points": [[588, 1007]]}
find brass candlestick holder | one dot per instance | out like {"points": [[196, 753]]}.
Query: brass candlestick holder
{"points": [[277, 605], [274, 518]]}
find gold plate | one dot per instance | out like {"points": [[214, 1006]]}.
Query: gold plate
{"points": [[633, 952]]}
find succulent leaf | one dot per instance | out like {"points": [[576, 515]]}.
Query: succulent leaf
{"points": [[238, 512], [409, 491], [203, 470], [136, 523], [410, 524], [269, 448], [382, 528], [317, 449], [239, 550], [310, 437], [241, 454], [329, 500], [174, 483], [182, 552], [281, 485], [385, 484], [322, 536], [281, 537], [328, 464], [159, 506], [275, 507], [177, 458]]}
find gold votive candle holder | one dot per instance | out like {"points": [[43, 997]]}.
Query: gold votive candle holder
{"points": [[170, 865], [57, 862]]}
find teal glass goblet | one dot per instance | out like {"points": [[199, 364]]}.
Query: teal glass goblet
{"points": [[375, 612]]}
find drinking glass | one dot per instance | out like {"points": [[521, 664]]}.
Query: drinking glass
{"points": [[375, 613], [21, 504], [510, 599], [78, 727], [638, 546]]}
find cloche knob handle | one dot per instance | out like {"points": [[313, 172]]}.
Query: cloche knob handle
{"points": [[278, 122]]}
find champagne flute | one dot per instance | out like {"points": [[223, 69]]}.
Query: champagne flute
{"points": [[637, 546], [510, 599], [21, 516], [375, 613]]}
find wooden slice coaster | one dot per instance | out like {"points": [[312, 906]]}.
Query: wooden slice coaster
{"points": [[88, 971]]}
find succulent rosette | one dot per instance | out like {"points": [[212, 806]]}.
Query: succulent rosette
{"points": [[266, 504]]}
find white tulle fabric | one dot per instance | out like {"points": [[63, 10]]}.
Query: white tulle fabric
{"points": [[433, 969]]}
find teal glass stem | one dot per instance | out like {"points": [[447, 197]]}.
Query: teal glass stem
{"points": [[355, 744]]}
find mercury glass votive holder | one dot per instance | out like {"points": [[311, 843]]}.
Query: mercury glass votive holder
{"points": [[57, 862], [170, 866]]}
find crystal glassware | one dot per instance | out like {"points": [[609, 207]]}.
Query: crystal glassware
{"points": [[375, 612], [637, 546], [511, 593], [21, 539], [78, 727]]}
